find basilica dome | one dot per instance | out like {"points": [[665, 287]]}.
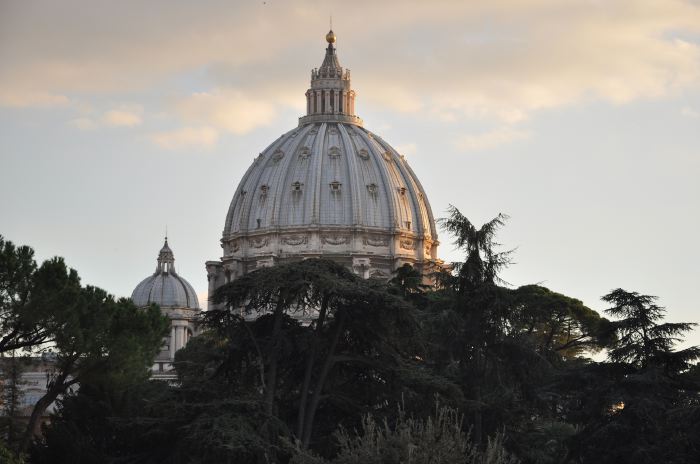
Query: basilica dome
{"points": [[165, 287], [328, 188]]}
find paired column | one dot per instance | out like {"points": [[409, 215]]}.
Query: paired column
{"points": [[172, 342], [178, 337]]}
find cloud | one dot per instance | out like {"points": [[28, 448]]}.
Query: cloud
{"points": [[186, 137], [491, 139], [15, 99], [690, 112], [83, 124], [125, 115], [229, 110], [500, 60], [121, 118]]}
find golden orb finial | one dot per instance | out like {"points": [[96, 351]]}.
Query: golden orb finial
{"points": [[330, 37]]}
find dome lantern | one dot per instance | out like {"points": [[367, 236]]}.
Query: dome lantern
{"points": [[331, 97]]}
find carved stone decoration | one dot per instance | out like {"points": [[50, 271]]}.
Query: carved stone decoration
{"points": [[387, 156], [378, 274], [361, 267], [304, 153], [335, 239], [235, 246], [295, 240], [375, 241], [333, 131], [277, 155], [258, 242], [428, 248], [407, 244], [364, 154], [334, 152]]}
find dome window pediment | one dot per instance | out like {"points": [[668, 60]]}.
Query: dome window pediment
{"points": [[372, 188], [277, 155], [335, 186], [296, 187], [364, 154], [334, 152], [401, 190], [304, 153], [263, 192]]}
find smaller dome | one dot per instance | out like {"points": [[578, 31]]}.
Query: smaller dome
{"points": [[165, 288], [330, 37]]}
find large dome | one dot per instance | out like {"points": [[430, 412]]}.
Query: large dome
{"points": [[165, 287], [328, 188], [334, 175]]}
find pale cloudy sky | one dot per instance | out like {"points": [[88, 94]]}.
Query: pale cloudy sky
{"points": [[579, 119]]}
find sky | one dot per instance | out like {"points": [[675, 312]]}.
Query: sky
{"points": [[578, 119]]}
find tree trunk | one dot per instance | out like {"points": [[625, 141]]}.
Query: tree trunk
{"points": [[478, 416], [315, 398], [34, 426], [311, 358], [271, 380]]}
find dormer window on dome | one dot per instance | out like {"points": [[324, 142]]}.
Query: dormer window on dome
{"points": [[334, 152], [335, 186]]}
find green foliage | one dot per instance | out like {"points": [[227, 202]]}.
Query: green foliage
{"points": [[7, 456], [439, 438], [641, 340], [482, 262], [306, 361], [92, 337], [556, 322], [11, 424]]}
